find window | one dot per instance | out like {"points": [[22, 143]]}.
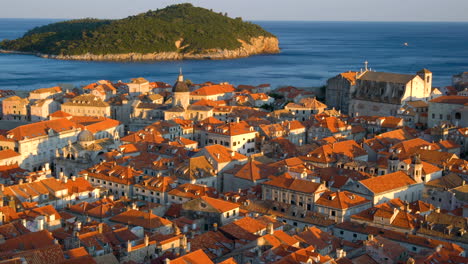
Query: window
{"points": [[341, 232]]}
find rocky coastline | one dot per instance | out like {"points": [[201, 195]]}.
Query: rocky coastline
{"points": [[258, 45]]}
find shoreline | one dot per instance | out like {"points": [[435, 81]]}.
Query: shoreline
{"points": [[257, 46]]}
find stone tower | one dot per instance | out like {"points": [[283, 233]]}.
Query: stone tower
{"points": [[180, 93], [392, 163], [426, 75], [415, 169]]}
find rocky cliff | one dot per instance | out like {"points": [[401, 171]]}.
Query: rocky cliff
{"points": [[258, 45]]}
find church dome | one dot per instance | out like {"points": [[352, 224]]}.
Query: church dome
{"points": [[85, 135], [180, 86]]}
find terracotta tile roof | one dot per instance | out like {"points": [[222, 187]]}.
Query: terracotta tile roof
{"points": [[214, 89], [210, 242], [51, 254], [250, 225], [328, 153], [337, 177], [77, 252], [192, 191], [307, 103], [143, 219], [47, 211], [450, 99], [449, 181], [298, 185], [448, 144], [388, 182], [59, 114], [12, 230], [251, 171], [195, 168], [86, 100], [427, 167], [391, 122], [218, 204], [78, 185], [407, 147], [314, 236], [40, 129], [94, 124], [438, 158], [111, 171], [159, 184], [341, 200], [222, 154], [407, 238], [195, 257], [421, 207], [8, 153], [33, 240], [55, 89], [332, 123]]}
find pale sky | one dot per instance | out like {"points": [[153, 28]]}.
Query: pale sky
{"points": [[321, 10]]}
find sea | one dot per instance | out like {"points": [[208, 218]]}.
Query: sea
{"points": [[311, 52]]}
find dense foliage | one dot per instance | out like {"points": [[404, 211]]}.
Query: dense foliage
{"points": [[154, 31]]}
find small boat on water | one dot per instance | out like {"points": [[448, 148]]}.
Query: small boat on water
{"points": [[406, 44]]}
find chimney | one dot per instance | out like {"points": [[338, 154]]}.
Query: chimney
{"points": [[167, 261], [129, 246], [73, 178], [100, 226], [146, 240], [270, 229], [340, 253], [188, 247], [85, 176], [40, 223], [215, 227]]}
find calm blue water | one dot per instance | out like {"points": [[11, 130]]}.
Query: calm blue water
{"points": [[311, 52]]}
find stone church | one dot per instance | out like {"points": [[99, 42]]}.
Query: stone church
{"points": [[181, 107], [370, 93]]}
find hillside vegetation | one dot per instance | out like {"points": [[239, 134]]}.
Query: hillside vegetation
{"points": [[179, 28]]}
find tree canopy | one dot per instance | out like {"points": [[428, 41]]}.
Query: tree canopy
{"points": [[196, 29]]}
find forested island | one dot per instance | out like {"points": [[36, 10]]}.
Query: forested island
{"points": [[176, 32]]}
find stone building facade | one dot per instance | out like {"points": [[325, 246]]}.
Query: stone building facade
{"points": [[87, 105], [382, 93], [339, 90]]}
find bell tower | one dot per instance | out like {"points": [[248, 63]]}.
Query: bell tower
{"points": [[416, 169], [180, 92], [426, 75]]}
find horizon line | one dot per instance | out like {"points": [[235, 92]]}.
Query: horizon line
{"points": [[272, 20]]}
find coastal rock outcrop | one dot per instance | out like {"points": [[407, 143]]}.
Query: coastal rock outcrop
{"points": [[258, 45]]}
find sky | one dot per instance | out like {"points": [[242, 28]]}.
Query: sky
{"points": [[314, 10]]}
